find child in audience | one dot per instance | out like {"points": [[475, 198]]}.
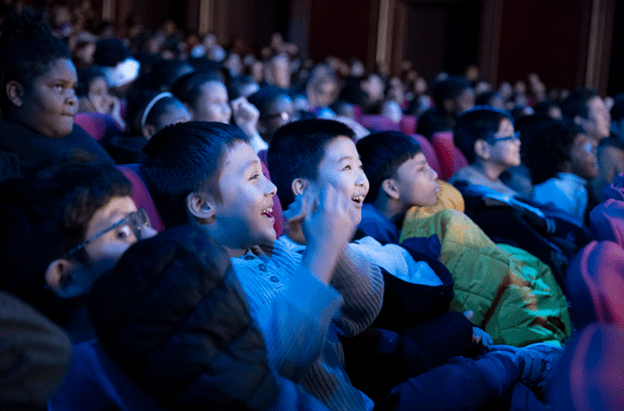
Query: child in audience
{"points": [[487, 138], [399, 177], [452, 96], [307, 155], [206, 98], [276, 109], [61, 227], [562, 161], [148, 112], [208, 174], [183, 355], [93, 95], [38, 101]]}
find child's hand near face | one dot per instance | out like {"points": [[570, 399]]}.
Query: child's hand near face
{"points": [[245, 115], [328, 221]]}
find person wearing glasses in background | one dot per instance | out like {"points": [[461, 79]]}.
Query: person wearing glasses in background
{"points": [[562, 162], [487, 138], [276, 109], [61, 227]]}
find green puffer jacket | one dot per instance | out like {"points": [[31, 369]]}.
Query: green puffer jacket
{"points": [[514, 296]]}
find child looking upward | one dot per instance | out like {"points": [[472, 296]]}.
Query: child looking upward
{"points": [[209, 174], [399, 177]]}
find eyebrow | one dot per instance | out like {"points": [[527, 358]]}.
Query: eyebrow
{"points": [[249, 164]]}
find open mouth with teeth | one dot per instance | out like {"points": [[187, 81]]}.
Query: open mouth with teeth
{"points": [[267, 212], [359, 200]]}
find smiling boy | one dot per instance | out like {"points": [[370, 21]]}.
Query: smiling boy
{"points": [[308, 156], [400, 178], [209, 174]]}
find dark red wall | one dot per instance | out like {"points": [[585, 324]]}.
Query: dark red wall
{"points": [[544, 37], [341, 28]]}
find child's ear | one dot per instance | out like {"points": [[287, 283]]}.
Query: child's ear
{"points": [[148, 131], [202, 207], [190, 110], [15, 93], [298, 186], [390, 188], [482, 149], [57, 273]]}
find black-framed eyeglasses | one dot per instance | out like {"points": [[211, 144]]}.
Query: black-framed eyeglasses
{"points": [[136, 220], [494, 140]]}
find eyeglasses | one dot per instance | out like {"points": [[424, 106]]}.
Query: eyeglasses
{"points": [[494, 140], [137, 220]]}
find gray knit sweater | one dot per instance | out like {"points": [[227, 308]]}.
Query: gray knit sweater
{"points": [[267, 274]]}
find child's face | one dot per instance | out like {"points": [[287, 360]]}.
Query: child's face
{"points": [[99, 96], [416, 182], [212, 104], [243, 216], [584, 159], [598, 121], [342, 168], [115, 242], [505, 152], [49, 104]]}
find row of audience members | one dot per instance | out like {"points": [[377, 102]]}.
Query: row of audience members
{"points": [[269, 320]]}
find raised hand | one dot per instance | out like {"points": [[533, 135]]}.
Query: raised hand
{"points": [[328, 221], [245, 115]]}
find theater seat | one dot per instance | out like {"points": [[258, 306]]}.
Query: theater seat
{"points": [[376, 122], [407, 125], [429, 152], [279, 223], [607, 222], [450, 158], [141, 195], [97, 125]]}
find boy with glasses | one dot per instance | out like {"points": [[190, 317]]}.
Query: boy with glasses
{"points": [[62, 226], [487, 138]]}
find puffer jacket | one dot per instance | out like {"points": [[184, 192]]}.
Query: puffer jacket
{"points": [[514, 296], [174, 318]]}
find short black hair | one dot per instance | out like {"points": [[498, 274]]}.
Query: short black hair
{"points": [[485, 99], [450, 88], [382, 154], [164, 72], [85, 77], [263, 98], [185, 158], [617, 111], [296, 151], [43, 215], [433, 121], [550, 149], [576, 103], [187, 88], [479, 123], [110, 52], [27, 48], [543, 107]]}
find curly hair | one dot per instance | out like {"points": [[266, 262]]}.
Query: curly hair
{"points": [[550, 149], [27, 48]]}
